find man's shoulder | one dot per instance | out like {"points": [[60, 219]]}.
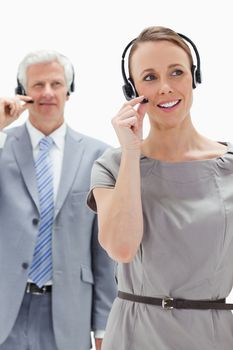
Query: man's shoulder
{"points": [[15, 131]]}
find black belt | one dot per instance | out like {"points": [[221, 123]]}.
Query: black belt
{"points": [[169, 303], [34, 289]]}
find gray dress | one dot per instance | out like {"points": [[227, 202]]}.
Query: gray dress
{"points": [[186, 252]]}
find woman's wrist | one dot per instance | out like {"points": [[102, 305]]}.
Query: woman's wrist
{"points": [[131, 151]]}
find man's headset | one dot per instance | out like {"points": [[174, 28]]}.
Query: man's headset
{"points": [[129, 88], [19, 90]]}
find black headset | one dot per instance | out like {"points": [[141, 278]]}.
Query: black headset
{"points": [[19, 90], [129, 88]]}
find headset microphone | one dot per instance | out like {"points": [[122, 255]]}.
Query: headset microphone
{"points": [[129, 88]]}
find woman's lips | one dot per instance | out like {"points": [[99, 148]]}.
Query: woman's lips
{"points": [[169, 105]]}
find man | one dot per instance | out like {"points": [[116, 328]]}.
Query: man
{"points": [[57, 283]]}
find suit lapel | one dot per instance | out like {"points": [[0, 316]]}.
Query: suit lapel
{"points": [[73, 153], [24, 157]]}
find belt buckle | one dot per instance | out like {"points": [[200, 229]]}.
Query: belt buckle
{"points": [[40, 291], [165, 302]]}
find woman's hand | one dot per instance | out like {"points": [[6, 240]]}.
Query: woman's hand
{"points": [[128, 123], [12, 108]]}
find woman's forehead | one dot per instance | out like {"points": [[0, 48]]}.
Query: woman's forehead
{"points": [[158, 53]]}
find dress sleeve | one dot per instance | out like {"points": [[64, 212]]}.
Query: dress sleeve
{"points": [[104, 173]]}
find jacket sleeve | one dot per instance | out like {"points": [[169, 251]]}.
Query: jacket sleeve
{"points": [[105, 286]]}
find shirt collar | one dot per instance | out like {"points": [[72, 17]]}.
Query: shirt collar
{"points": [[57, 135]]}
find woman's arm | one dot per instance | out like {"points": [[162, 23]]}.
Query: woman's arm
{"points": [[120, 209]]}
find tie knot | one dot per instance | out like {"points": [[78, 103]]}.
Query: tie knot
{"points": [[46, 143]]}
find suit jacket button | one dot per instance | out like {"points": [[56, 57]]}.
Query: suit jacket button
{"points": [[25, 265], [35, 221]]}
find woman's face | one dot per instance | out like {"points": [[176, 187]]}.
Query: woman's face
{"points": [[161, 72]]}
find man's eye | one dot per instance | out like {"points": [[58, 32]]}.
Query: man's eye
{"points": [[149, 77], [177, 72], [56, 84]]}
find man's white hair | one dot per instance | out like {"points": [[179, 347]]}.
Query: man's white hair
{"points": [[45, 56]]}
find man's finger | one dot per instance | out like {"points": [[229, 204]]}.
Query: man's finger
{"points": [[23, 98]]}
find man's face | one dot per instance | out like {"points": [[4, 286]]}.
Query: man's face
{"points": [[47, 86]]}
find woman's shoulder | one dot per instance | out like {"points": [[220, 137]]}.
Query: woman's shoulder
{"points": [[225, 161], [110, 156]]}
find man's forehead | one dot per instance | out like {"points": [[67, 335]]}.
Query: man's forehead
{"points": [[46, 69]]}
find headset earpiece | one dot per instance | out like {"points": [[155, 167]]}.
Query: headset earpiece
{"points": [[19, 90], [72, 85], [194, 76], [198, 76], [71, 89], [129, 90]]}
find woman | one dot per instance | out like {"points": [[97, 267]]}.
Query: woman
{"points": [[165, 209]]}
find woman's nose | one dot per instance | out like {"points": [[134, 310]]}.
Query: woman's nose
{"points": [[165, 87]]}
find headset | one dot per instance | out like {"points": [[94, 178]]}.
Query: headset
{"points": [[19, 90], [129, 88]]}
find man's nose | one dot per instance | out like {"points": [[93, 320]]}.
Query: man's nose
{"points": [[48, 90]]}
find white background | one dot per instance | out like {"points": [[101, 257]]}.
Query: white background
{"points": [[93, 35]]}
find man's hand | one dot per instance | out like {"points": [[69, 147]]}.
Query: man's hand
{"points": [[12, 108]]}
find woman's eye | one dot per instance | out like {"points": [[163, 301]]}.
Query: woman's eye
{"points": [[149, 77], [177, 72]]}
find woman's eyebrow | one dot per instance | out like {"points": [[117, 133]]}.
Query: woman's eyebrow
{"points": [[149, 70]]}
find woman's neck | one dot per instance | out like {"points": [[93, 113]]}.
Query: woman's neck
{"points": [[180, 145]]}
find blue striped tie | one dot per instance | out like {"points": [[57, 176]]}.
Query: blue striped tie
{"points": [[41, 268]]}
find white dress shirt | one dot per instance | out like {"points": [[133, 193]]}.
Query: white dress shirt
{"points": [[56, 152], [3, 137]]}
